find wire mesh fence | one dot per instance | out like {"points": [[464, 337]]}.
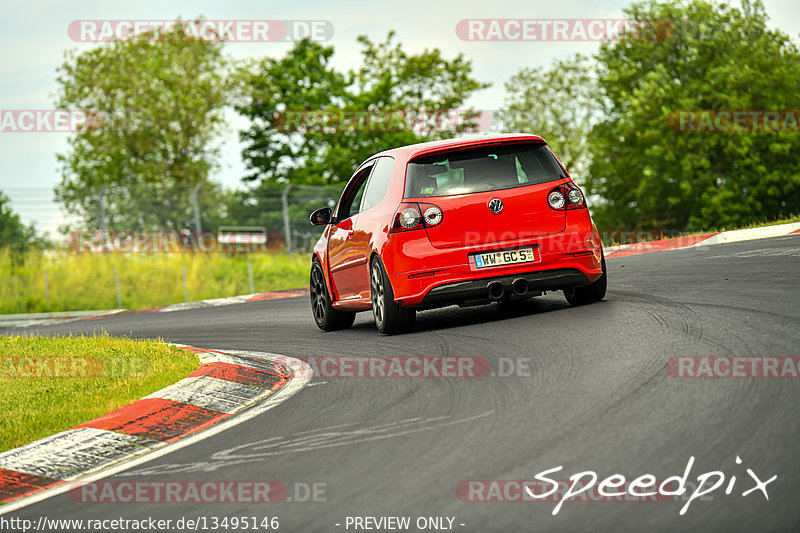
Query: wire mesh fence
{"points": [[283, 209]]}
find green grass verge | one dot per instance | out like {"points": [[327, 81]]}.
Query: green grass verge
{"points": [[84, 281], [642, 236], [77, 379], [758, 224]]}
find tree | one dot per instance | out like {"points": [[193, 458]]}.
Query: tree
{"points": [[330, 108], [712, 57], [302, 80], [13, 233], [392, 80], [561, 104], [158, 106]]}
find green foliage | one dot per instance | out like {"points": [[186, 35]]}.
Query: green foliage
{"points": [[156, 110], [302, 80], [14, 234], [714, 57], [561, 104], [389, 81]]}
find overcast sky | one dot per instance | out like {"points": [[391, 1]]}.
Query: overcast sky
{"points": [[34, 37]]}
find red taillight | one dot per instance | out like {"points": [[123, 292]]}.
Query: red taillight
{"points": [[431, 215], [410, 216], [566, 196]]}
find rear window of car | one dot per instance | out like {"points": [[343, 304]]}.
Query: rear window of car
{"points": [[481, 169]]}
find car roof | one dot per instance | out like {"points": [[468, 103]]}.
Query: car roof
{"points": [[413, 150]]}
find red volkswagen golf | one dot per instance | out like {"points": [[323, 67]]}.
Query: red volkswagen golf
{"points": [[462, 221]]}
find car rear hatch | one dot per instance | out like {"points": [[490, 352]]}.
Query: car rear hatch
{"points": [[466, 184]]}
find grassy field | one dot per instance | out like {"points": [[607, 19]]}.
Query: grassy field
{"points": [[48, 385], [83, 281]]}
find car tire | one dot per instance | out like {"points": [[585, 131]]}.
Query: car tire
{"points": [[593, 292], [390, 318], [326, 317]]}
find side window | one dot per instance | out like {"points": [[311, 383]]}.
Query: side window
{"points": [[354, 207], [378, 183], [353, 195]]}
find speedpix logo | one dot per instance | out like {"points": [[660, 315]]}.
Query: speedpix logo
{"points": [[587, 486]]}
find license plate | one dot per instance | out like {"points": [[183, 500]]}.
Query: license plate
{"points": [[507, 257]]}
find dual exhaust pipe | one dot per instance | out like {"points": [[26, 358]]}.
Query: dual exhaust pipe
{"points": [[496, 291]]}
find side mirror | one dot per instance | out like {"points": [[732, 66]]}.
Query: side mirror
{"points": [[321, 217]]}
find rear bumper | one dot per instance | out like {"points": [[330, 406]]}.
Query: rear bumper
{"points": [[476, 290], [439, 284], [424, 276]]}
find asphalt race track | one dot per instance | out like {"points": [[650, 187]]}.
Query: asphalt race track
{"points": [[597, 398]]}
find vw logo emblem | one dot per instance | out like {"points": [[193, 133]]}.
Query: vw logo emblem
{"points": [[496, 206]]}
